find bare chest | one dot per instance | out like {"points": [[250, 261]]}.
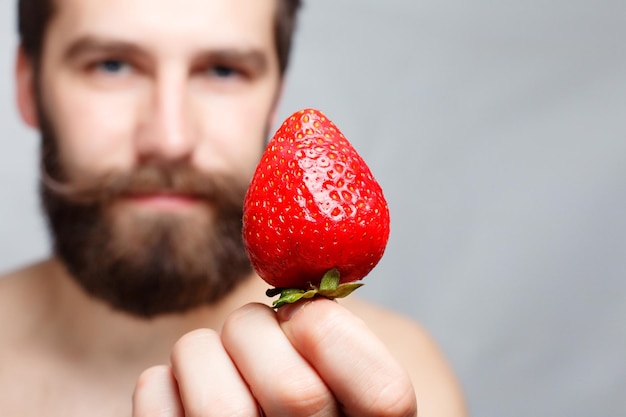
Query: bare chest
{"points": [[31, 386]]}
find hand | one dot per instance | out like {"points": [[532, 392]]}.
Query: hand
{"points": [[308, 359]]}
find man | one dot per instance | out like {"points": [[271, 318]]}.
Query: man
{"points": [[153, 115]]}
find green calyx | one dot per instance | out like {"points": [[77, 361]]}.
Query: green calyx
{"points": [[329, 288]]}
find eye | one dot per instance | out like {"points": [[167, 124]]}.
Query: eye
{"points": [[112, 66], [223, 71]]}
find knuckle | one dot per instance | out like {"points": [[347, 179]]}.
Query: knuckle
{"points": [[319, 327], [153, 394], [230, 329], [225, 409], [240, 322], [196, 339], [241, 315], [396, 400], [324, 322], [303, 395], [151, 374], [234, 319], [306, 404]]}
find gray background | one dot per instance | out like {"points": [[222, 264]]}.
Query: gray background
{"points": [[498, 132]]}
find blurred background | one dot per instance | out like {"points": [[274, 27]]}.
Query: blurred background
{"points": [[498, 132]]}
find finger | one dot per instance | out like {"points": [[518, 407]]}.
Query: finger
{"points": [[208, 381], [156, 394], [360, 371], [281, 380]]}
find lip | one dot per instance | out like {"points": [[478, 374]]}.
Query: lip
{"points": [[163, 201]]}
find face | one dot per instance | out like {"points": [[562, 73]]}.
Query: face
{"points": [[160, 79], [153, 115]]}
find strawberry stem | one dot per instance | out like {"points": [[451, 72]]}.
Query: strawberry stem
{"points": [[330, 281], [329, 288]]}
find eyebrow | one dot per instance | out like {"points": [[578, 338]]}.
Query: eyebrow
{"points": [[87, 44], [251, 58]]}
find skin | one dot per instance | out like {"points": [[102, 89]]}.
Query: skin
{"points": [[64, 353]]}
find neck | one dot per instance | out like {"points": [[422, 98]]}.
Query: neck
{"points": [[84, 327]]}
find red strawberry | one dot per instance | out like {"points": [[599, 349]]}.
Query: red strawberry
{"points": [[313, 207]]}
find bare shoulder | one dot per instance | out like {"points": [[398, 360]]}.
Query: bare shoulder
{"points": [[11, 286], [17, 280], [437, 388], [21, 298]]}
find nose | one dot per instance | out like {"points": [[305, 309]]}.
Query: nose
{"points": [[164, 130]]}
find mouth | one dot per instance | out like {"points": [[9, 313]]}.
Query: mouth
{"points": [[164, 201]]}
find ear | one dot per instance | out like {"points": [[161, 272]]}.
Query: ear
{"points": [[25, 89]]}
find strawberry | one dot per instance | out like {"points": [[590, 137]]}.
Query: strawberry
{"points": [[315, 220]]}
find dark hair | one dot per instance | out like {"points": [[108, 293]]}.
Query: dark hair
{"points": [[34, 16]]}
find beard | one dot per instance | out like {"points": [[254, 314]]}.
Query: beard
{"points": [[141, 262]]}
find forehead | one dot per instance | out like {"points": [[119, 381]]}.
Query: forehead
{"points": [[179, 25]]}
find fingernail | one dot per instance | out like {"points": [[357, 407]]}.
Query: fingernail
{"points": [[287, 311]]}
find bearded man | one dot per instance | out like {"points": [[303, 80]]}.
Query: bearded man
{"points": [[153, 115]]}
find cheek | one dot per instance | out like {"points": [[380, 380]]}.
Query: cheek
{"points": [[236, 131], [92, 131]]}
